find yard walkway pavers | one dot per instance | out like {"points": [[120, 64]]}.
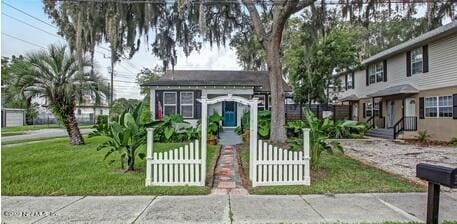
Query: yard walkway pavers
{"points": [[227, 174], [228, 208]]}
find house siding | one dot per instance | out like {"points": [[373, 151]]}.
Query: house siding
{"points": [[440, 80], [442, 72]]}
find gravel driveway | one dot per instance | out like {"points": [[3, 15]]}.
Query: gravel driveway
{"points": [[399, 158]]}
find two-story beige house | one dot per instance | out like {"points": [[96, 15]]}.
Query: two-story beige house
{"points": [[408, 88]]}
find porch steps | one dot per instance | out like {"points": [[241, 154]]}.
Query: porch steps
{"points": [[386, 133]]}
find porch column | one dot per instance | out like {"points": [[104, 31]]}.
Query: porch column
{"points": [[152, 101], [372, 111]]}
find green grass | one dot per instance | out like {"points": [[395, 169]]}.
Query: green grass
{"points": [[61, 169], [338, 174]]}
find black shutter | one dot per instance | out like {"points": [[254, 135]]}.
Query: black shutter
{"points": [[159, 100], [363, 112], [454, 106], [380, 108], [198, 105], [178, 102], [385, 70], [408, 63], [421, 108], [368, 81], [353, 77], [425, 59], [346, 81]]}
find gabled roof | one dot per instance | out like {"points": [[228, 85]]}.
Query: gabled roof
{"points": [[440, 32], [257, 79], [395, 90]]}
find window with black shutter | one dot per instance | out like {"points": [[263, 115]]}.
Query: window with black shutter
{"points": [[408, 63], [454, 106], [425, 58], [421, 108], [385, 70]]}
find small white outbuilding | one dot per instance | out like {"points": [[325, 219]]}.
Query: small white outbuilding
{"points": [[13, 117]]}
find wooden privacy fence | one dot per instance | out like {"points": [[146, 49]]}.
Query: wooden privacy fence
{"points": [[177, 167], [276, 166]]}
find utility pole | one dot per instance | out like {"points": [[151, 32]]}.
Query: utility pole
{"points": [[112, 83]]}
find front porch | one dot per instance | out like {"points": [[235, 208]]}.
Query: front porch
{"points": [[392, 111]]}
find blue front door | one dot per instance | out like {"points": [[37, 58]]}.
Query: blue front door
{"points": [[229, 113]]}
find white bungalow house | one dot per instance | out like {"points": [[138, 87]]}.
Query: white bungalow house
{"points": [[176, 92]]}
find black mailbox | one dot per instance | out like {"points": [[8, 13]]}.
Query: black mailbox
{"points": [[441, 175], [436, 176]]}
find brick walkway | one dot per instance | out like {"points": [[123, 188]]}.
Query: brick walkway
{"points": [[227, 176]]}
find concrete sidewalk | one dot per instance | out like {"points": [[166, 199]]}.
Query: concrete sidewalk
{"points": [[42, 133], [346, 208]]}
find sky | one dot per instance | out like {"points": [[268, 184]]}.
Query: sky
{"points": [[208, 58]]}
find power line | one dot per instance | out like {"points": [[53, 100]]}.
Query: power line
{"points": [[42, 21], [28, 24], [22, 11], [233, 2], [25, 41]]}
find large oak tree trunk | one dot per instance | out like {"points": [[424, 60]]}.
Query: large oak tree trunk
{"points": [[71, 125], [278, 118]]}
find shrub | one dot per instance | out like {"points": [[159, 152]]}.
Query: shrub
{"points": [[319, 137], [172, 129], [126, 136], [101, 127], [454, 141], [422, 136], [214, 123], [263, 120]]}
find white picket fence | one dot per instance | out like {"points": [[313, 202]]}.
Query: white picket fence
{"points": [[276, 166], [177, 167]]}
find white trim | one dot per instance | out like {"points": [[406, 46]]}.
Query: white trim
{"points": [[417, 61], [181, 104], [437, 107], [175, 104], [258, 96]]}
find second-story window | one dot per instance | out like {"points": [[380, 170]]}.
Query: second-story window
{"points": [[376, 72], [416, 61], [349, 81]]}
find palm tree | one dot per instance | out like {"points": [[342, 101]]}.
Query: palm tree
{"points": [[56, 76]]}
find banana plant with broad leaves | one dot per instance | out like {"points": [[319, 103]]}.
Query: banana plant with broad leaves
{"points": [[126, 136], [319, 137]]}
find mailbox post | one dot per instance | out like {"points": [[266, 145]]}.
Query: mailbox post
{"points": [[436, 176]]}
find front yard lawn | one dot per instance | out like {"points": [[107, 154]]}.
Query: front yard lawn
{"points": [[56, 168], [338, 174]]}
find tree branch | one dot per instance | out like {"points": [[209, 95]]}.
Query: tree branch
{"points": [[256, 21]]}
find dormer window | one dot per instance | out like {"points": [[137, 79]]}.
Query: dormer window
{"points": [[416, 61]]}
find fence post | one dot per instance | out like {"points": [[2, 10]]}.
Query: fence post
{"points": [[150, 149], [306, 148]]}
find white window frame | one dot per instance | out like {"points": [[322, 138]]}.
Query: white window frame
{"points": [[369, 108], [374, 71], [437, 107], [414, 60], [349, 81], [187, 104], [264, 106], [169, 105]]}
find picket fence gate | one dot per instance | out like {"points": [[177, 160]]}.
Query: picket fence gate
{"points": [[177, 167], [277, 166]]}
